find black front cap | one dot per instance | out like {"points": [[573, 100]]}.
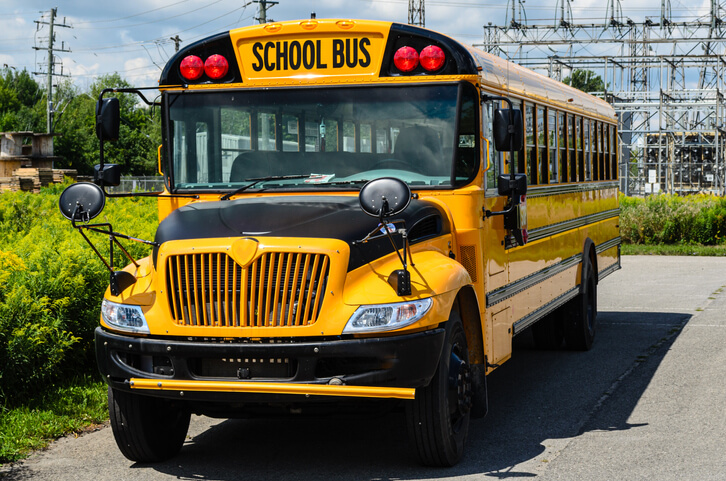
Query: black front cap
{"points": [[332, 217]]}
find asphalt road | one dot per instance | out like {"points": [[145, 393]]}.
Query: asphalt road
{"points": [[647, 402]]}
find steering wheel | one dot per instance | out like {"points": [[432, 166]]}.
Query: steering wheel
{"points": [[392, 164]]}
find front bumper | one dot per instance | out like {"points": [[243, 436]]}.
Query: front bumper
{"points": [[278, 370]]}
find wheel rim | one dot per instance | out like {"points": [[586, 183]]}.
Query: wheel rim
{"points": [[459, 392]]}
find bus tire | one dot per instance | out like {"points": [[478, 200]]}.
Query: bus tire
{"points": [[549, 332], [581, 320], [438, 418], [147, 429]]}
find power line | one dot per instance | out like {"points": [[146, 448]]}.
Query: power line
{"points": [[153, 21], [134, 15]]}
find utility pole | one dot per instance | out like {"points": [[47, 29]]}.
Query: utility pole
{"points": [[264, 5], [416, 13], [50, 73], [176, 41]]}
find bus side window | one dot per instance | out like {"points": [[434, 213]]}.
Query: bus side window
{"points": [[578, 147], [552, 140], [542, 145], [348, 136], [530, 147], [494, 168], [290, 133], [613, 153], [266, 139], [465, 162], [588, 151], [332, 136], [600, 161], [562, 145], [366, 138], [383, 146], [571, 145]]}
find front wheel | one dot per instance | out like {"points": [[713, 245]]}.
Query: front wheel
{"points": [[438, 418], [147, 429]]}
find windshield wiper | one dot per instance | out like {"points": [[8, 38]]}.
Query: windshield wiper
{"points": [[344, 182], [256, 180]]}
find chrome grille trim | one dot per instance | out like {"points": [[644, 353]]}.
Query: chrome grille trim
{"points": [[279, 289]]}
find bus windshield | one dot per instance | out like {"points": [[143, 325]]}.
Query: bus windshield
{"points": [[326, 137]]}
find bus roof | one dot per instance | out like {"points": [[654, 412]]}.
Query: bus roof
{"points": [[335, 51]]}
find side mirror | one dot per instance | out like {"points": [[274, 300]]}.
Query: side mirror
{"points": [[81, 202], [508, 133], [107, 119], [107, 175], [384, 197]]}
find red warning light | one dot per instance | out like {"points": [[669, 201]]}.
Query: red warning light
{"points": [[191, 67], [405, 59], [216, 67], [432, 58]]}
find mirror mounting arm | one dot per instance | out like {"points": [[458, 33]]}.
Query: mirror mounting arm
{"points": [[510, 126], [488, 213]]}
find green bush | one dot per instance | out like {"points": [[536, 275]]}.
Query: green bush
{"points": [[669, 219], [51, 287]]}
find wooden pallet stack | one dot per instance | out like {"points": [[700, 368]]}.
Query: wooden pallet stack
{"points": [[9, 184], [31, 179], [28, 178]]}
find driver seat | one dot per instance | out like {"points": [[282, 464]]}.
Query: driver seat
{"points": [[420, 147]]}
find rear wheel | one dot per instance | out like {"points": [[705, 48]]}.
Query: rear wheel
{"points": [[147, 429], [438, 419], [582, 312]]}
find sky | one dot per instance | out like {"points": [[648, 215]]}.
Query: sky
{"points": [[133, 37]]}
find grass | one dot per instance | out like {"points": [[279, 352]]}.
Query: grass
{"points": [[673, 250], [73, 408]]}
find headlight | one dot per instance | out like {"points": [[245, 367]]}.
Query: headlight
{"points": [[386, 317], [124, 317]]}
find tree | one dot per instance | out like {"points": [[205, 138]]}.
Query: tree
{"points": [[585, 80], [21, 102], [139, 135]]}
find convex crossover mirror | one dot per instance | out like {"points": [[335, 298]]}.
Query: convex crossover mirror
{"points": [[82, 201], [384, 197]]}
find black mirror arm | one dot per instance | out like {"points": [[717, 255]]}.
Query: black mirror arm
{"points": [[106, 228], [136, 91], [510, 127], [489, 213]]}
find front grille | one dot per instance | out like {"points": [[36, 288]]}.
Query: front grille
{"points": [[278, 289]]}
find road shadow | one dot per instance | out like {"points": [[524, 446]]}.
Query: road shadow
{"points": [[536, 397]]}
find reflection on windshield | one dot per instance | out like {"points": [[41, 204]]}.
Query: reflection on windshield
{"points": [[332, 137]]}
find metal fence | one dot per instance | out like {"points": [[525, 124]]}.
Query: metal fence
{"points": [[139, 184]]}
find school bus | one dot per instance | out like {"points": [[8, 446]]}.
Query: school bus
{"points": [[354, 212]]}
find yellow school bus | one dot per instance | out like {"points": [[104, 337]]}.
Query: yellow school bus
{"points": [[355, 212]]}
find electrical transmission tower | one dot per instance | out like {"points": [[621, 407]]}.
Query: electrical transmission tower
{"points": [[52, 60], [665, 79], [416, 13]]}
